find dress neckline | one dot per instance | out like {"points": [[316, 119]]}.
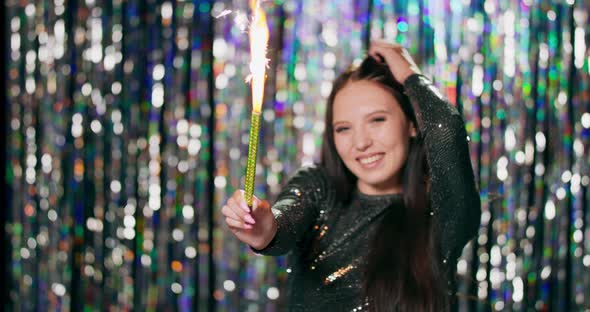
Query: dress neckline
{"points": [[376, 198]]}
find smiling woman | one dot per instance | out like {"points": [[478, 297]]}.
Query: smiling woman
{"points": [[379, 224], [372, 136]]}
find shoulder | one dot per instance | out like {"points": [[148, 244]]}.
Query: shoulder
{"points": [[312, 171], [313, 179], [313, 176]]}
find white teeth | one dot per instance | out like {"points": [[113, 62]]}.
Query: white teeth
{"points": [[368, 160]]}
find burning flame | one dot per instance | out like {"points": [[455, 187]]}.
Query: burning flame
{"points": [[258, 61]]}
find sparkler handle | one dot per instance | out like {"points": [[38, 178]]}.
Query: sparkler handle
{"points": [[252, 150]]}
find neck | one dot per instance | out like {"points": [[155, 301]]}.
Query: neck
{"points": [[379, 189]]}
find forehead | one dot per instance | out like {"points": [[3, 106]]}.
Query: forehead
{"points": [[359, 98]]}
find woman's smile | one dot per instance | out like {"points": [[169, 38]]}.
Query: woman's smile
{"points": [[371, 161]]}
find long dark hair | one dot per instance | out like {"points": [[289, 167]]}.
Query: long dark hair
{"points": [[402, 272]]}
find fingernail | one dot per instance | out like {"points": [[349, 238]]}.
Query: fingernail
{"points": [[250, 219], [247, 226]]}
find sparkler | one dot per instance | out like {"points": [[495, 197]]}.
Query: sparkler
{"points": [[258, 62]]}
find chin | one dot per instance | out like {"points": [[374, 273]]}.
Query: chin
{"points": [[376, 181], [379, 179]]}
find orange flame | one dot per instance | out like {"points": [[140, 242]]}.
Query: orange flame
{"points": [[258, 61]]}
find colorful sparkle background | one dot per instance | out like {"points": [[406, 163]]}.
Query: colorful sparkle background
{"points": [[128, 129]]}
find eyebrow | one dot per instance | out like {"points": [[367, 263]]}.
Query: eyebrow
{"points": [[366, 116]]}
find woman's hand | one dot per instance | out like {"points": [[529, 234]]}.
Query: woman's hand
{"points": [[256, 228], [396, 57]]}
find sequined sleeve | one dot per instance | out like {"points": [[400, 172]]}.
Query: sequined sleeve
{"points": [[453, 194], [297, 208]]}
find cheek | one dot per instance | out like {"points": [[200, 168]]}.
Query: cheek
{"points": [[342, 146], [398, 144], [393, 137], [403, 146]]}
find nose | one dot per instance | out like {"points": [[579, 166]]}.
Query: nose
{"points": [[362, 140]]}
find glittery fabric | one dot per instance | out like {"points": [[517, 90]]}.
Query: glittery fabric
{"points": [[328, 241], [453, 194]]}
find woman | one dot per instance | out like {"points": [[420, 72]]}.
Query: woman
{"points": [[380, 223]]}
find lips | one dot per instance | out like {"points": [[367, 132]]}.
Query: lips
{"points": [[370, 159]]}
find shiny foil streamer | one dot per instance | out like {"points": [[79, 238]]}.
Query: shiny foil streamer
{"points": [[128, 129]]}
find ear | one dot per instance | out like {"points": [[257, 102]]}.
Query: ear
{"points": [[412, 130]]}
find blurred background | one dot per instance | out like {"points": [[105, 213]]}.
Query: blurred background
{"points": [[127, 128]]}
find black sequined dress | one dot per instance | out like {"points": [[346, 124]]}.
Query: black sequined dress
{"points": [[328, 241]]}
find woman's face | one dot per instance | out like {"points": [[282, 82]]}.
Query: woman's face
{"points": [[371, 134]]}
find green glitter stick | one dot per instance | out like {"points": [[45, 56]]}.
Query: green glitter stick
{"points": [[252, 151]]}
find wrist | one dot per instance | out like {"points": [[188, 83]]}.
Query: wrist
{"points": [[273, 232], [407, 74], [268, 239]]}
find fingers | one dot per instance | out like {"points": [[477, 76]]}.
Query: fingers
{"points": [[237, 224], [382, 53], [376, 56], [384, 48], [239, 198], [233, 219], [240, 201], [258, 203], [381, 43], [239, 215], [237, 209], [398, 59], [240, 212], [229, 213]]}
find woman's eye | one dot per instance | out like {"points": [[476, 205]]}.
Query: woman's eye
{"points": [[340, 129], [378, 119]]}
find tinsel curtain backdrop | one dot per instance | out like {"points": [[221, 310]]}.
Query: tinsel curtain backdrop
{"points": [[128, 129]]}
